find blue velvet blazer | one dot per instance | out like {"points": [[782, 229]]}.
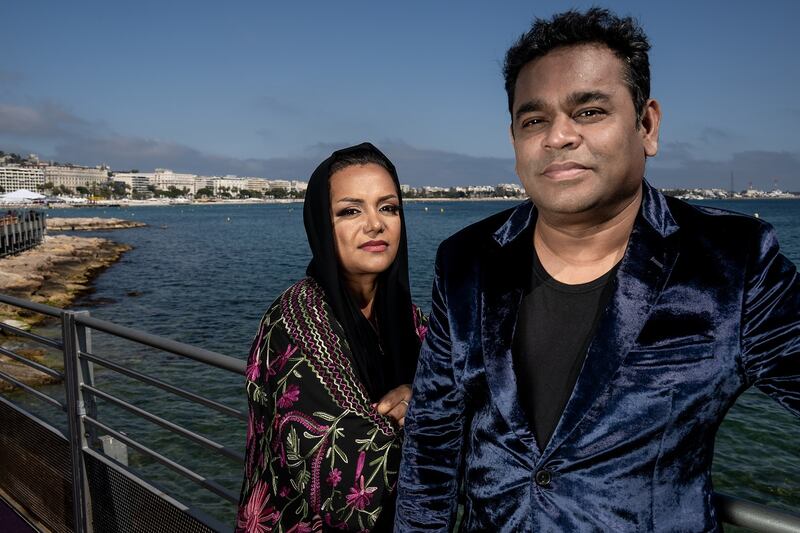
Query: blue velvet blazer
{"points": [[703, 306]]}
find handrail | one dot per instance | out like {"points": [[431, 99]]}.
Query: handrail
{"points": [[202, 355], [756, 516], [169, 463], [222, 408], [33, 364], [30, 390], [166, 424], [52, 343], [31, 306]]}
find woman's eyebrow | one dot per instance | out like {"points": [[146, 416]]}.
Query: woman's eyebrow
{"points": [[350, 200]]}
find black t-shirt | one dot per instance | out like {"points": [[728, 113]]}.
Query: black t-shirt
{"points": [[555, 325]]}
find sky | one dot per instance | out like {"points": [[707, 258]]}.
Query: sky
{"points": [[269, 89]]}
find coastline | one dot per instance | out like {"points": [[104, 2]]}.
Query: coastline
{"points": [[54, 273]]}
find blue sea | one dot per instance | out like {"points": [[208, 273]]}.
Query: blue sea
{"points": [[204, 274]]}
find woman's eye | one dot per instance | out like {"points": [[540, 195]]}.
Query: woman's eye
{"points": [[391, 209], [348, 212]]}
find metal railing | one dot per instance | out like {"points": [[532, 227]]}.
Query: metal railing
{"points": [[20, 231], [84, 425]]}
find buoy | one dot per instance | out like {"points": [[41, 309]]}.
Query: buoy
{"points": [[228, 219], [441, 210], [426, 209]]}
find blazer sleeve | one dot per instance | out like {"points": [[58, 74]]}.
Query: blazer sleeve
{"points": [[434, 427], [770, 333]]}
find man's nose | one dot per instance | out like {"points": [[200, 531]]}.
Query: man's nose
{"points": [[562, 133]]}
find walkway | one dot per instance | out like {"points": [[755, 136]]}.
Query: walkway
{"points": [[11, 522]]}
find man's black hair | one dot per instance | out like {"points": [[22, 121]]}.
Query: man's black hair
{"points": [[623, 36]]}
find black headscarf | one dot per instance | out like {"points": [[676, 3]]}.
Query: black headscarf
{"points": [[388, 358]]}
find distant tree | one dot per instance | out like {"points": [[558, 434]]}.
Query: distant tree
{"points": [[250, 193], [279, 192], [120, 189], [207, 192], [83, 191]]}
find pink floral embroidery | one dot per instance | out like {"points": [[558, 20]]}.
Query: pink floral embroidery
{"points": [[360, 496], [334, 477], [278, 364], [257, 516], [421, 328], [302, 527], [254, 370], [284, 492], [291, 395]]}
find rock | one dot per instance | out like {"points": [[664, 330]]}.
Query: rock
{"points": [[90, 224]]}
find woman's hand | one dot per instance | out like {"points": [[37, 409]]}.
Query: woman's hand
{"points": [[395, 404]]}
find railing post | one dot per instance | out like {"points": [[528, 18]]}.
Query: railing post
{"points": [[76, 338]]}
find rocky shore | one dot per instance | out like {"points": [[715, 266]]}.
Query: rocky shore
{"points": [[54, 273], [91, 224]]}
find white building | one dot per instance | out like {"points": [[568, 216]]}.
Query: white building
{"points": [[299, 186], [164, 178], [230, 184], [258, 184], [14, 178], [280, 184], [73, 176], [136, 181]]}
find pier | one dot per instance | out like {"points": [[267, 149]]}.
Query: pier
{"points": [[20, 231], [73, 476]]}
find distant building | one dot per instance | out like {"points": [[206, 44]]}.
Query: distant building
{"points": [[258, 184], [73, 176], [280, 184], [229, 184], [14, 178], [136, 181], [164, 178]]}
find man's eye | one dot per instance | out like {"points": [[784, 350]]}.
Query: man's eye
{"points": [[530, 122], [591, 113]]}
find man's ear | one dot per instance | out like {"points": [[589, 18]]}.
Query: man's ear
{"points": [[648, 127]]}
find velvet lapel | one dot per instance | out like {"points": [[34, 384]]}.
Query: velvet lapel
{"points": [[505, 271], [641, 277]]}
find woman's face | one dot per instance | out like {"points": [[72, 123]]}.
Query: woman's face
{"points": [[365, 213]]}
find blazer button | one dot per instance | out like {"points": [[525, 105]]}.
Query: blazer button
{"points": [[543, 478]]}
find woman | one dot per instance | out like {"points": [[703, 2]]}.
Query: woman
{"points": [[329, 370]]}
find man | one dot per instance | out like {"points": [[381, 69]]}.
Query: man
{"points": [[584, 348]]}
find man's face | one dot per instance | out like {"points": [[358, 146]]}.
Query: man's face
{"points": [[575, 134]]}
